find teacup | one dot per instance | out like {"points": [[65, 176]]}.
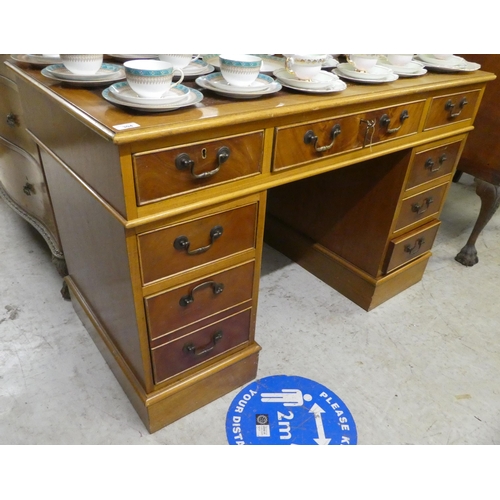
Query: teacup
{"points": [[179, 60], [305, 66], [82, 64], [442, 57], [363, 62], [151, 78], [399, 59], [240, 70]]}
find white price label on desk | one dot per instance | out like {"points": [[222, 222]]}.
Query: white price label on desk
{"points": [[126, 126]]}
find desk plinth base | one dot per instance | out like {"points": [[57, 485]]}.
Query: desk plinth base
{"points": [[364, 290], [164, 406]]}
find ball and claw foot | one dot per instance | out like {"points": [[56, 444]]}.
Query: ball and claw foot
{"points": [[467, 256]]}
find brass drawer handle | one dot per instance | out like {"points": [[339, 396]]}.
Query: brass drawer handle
{"points": [[432, 166], [217, 288], [182, 242], [449, 106], [198, 351], [12, 120], [184, 161], [418, 244], [385, 121], [420, 209], [311, 138]]}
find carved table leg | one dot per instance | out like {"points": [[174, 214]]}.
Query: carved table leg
{"points": [[490, 200], [62, 269]]}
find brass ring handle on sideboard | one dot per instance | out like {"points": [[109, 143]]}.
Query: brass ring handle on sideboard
{"points": [[198, 351], [420, 209], [28, 189], [12, 120], [450, 105], [217, 288], [184, 162], [418, 244], [385, 121], [311, 138], [182, 242], [432, 166]]}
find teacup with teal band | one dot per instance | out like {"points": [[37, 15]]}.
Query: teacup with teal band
{"points": [[151, 78], [240, 70]]}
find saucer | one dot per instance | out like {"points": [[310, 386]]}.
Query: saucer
{"points": [[336, 86], [270, 63], [330, 63], [413, 68], [378, 73], [87, 81], [209, 82], [452, 65], [197, 68], [194, 97], [123, 92], [105, 72], [322, 80], [36, 59], [390, 77], [262, 82]]}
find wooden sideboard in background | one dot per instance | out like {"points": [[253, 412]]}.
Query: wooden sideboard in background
{"points": [[481, 156], [22, 180]]}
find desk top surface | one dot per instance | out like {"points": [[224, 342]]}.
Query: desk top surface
{"points": [[88, 105]]}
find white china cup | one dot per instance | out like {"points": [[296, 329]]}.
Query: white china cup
{"points": [[363, 62], [150, 78], [240, 70], [399, 59], [82, 64], [179, 60], [305, 66]]}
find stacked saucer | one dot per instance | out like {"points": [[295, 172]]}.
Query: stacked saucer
{"points": [[107, 73], [179, 96], [377, 74], [263, 85], [408, 70], [197, 68], [323, 83], [451, 64], [37, 59]]}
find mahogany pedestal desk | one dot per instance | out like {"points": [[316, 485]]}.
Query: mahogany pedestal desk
{"points": [[162, 216], [481, 157]]}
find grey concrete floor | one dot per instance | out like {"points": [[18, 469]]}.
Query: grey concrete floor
{"points": [[421, 369]]}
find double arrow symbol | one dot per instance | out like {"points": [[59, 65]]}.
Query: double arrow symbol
{"points": [[317, 410]]}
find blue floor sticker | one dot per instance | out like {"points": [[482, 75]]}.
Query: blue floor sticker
{"points": [[289, 410]]}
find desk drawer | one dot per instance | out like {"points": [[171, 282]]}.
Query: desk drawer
{"points": [[451, 108], [173, 249], [182, 169], [391, 123], [433, 163], [295, 145], [173, 309], [200, 346], [421, 206], [411, 245]]}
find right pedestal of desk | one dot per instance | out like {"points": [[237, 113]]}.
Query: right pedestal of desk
{"points": [[366, 230]]}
